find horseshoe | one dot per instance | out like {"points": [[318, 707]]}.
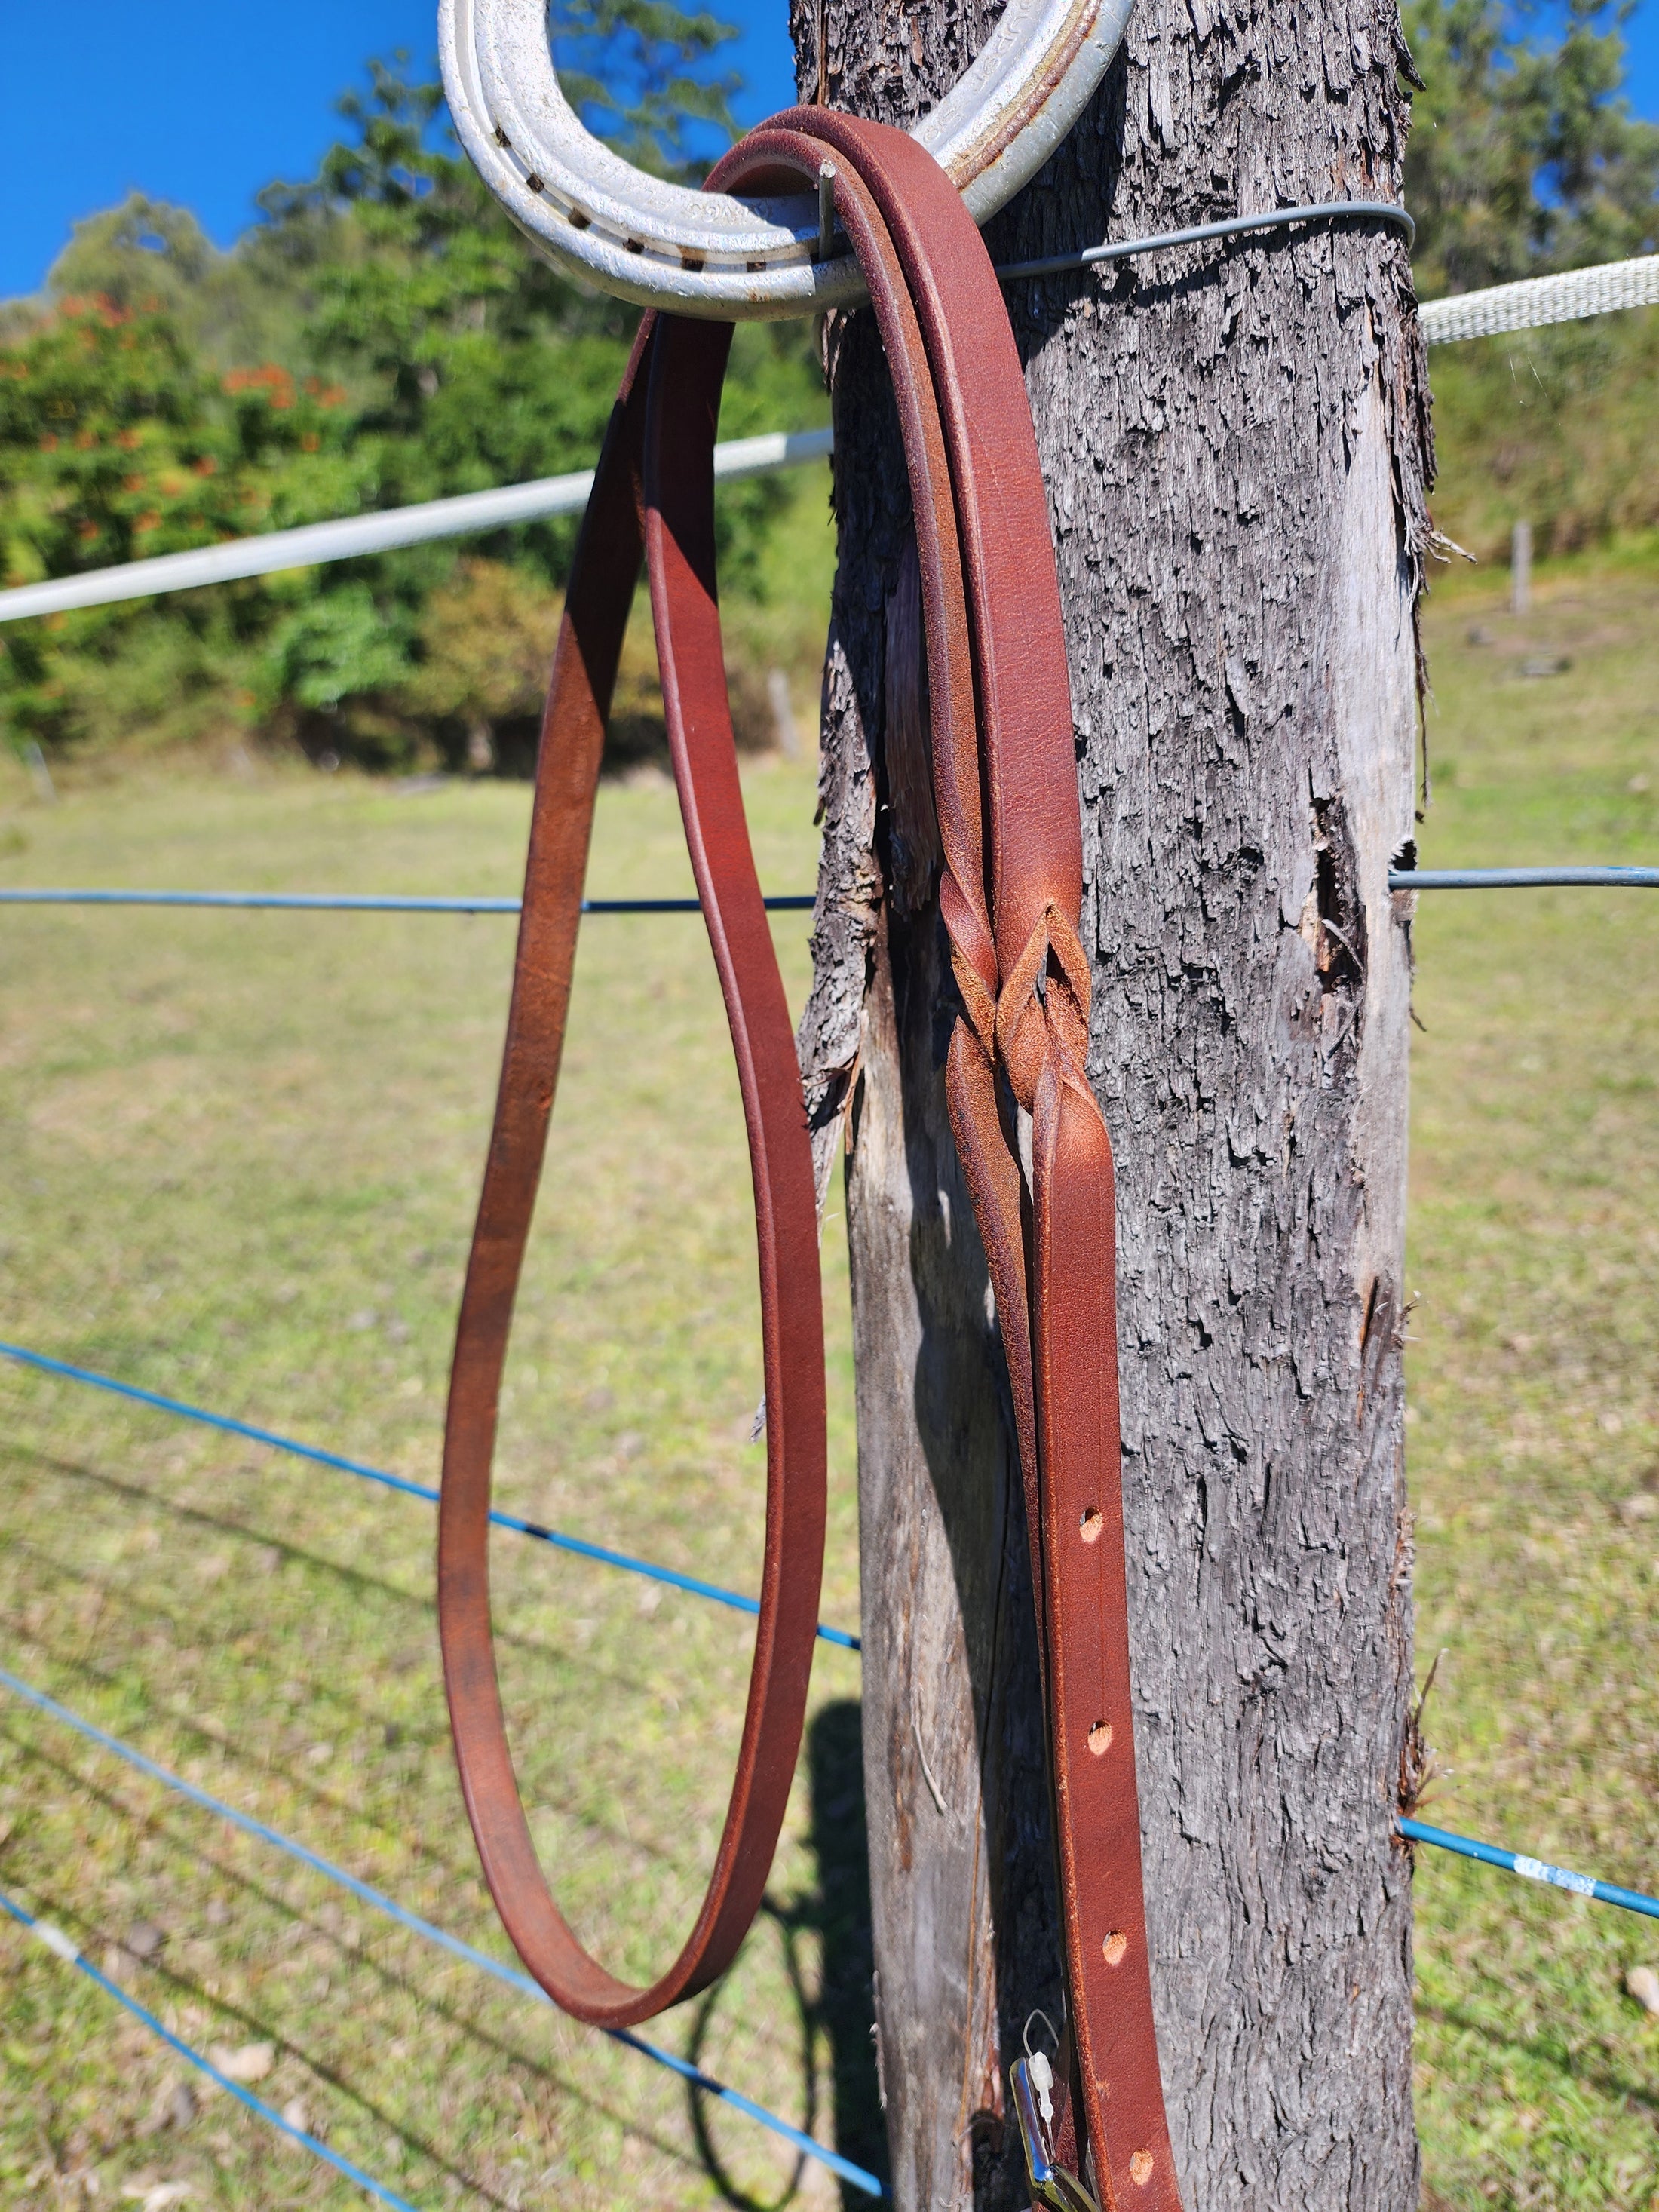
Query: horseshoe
{"points": [[592, 213]]}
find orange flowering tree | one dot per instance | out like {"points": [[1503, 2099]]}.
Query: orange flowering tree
{"points": [[405, 346]]}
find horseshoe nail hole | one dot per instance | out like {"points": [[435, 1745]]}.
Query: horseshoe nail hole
{"points": [[1114, 1947], [532, 182], [694, 262], [580, 219], [635, 245], [1100, 1738], [1090, 1525], [501, 138], [1140, 2168]]}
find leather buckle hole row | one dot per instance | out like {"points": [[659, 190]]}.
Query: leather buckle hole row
{"points": [[1100, 1738], [1114, 1946], [1140, 2168], [1090, 1525]]}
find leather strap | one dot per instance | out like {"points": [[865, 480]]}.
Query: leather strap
{"points": [[1005, 792], [603, 578]]}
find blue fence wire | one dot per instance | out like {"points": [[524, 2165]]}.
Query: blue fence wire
{"points": [[857, 2176], [1400, 879], [1581, 1885], [63, 1947], [1416, 1831], [369, 902], [576, 1545]]}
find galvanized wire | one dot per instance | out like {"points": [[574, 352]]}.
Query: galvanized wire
{"points": [[1522, 879], [1199, 233], [1400, 879], [366, 901]]}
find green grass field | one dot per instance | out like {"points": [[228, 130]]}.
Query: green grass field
{"points": [[241, 1152]]}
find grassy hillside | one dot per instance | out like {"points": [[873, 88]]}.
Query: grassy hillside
{"points": [[1559, 428], [1533, 1375], [242, 1153]]}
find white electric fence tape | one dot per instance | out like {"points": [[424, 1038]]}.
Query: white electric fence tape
{"points": [[382, 532], [1535, 300], [1525, 306]]}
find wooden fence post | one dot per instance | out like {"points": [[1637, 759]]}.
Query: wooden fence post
{"points": [[1236, 450]]}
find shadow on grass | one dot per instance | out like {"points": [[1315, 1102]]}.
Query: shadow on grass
{"points": [[1544, 2051], [395, 1827], [392, 1981], [842, 2015], [355, 1577]]}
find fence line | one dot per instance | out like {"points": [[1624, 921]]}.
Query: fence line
{"points": [[1522, 879], [1202, 234], [1417, 1831], [510, 1975], [63, 1947], [1581, 1885], [1531, 303], [368, 901], [354, 536], [578, 1546], [1400, 879]]}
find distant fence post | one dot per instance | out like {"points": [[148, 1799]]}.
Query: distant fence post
{"points": [[1520, 567], [783, 714]]}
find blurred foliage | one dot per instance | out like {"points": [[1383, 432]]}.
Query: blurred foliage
{"points": [[382, 336], [1554, 427], [1523, 155], [636, 73]]}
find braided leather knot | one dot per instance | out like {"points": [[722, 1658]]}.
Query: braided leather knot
{"points": [[1043, 1008], [1039, 1009]]}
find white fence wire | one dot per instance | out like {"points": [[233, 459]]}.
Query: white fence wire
{"points": [[1525, 306]]}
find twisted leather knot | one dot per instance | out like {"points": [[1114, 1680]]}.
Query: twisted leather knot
{"points": [[1039, 1011], [973, 961], [1043, 1008]]}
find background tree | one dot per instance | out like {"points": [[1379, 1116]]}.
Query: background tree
{"points": [[1234, 443], [1523, 155], [381, 337]]}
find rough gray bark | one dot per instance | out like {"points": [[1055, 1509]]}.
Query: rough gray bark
{"points": [[1236, 448]]}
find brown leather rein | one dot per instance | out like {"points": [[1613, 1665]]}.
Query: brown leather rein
{"points": [[1005, 792]]}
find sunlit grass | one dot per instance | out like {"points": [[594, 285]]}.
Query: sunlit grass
{"points": [[242, 1152], [240, 1156], [1534, 1393]]}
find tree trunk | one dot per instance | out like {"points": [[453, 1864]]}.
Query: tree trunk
{"points": [[1235, 445]]}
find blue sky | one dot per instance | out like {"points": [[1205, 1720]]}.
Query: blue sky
{"points": [[200, 102]]}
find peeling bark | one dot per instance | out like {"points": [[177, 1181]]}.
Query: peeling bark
{"points": [[1236, 446]]}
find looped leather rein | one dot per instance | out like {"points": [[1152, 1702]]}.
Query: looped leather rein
{"points": [[1005, 796]]}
